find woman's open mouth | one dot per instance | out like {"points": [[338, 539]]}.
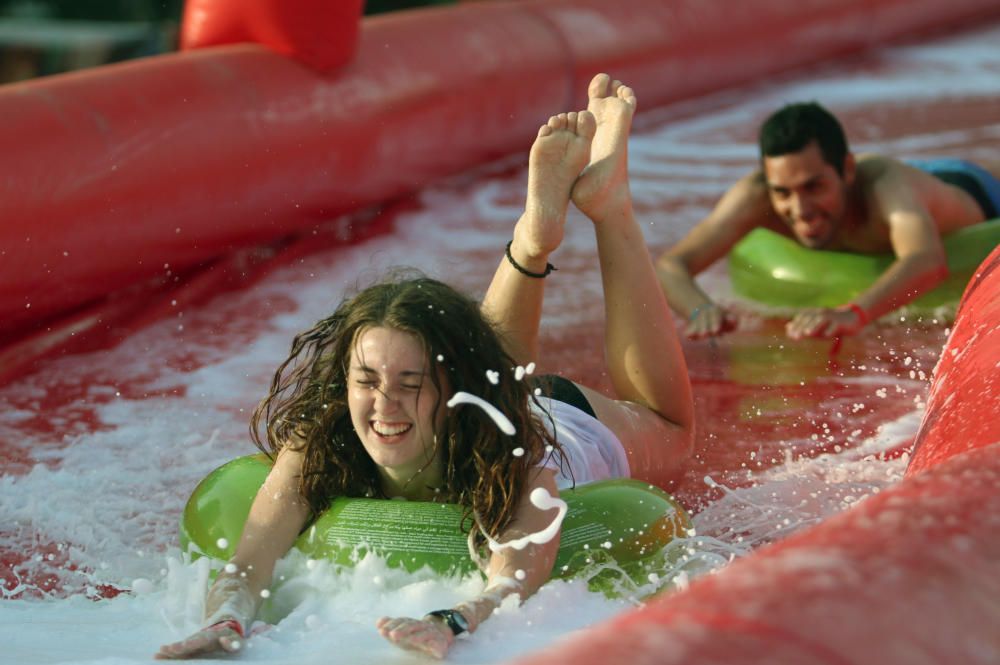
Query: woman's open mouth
{"points": [[389, 430]]}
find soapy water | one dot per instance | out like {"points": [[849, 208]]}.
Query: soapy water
{"points": [[95, 482]]}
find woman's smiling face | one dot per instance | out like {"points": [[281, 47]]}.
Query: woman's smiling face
{"points": [[393, 399]]}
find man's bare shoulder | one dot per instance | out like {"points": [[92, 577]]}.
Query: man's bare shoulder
{"points": [[889, 186], [873, 168], [894, 186], [880, 173]]}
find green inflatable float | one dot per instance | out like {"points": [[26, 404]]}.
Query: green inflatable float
{"points": [[625, 521], [776, 270]]}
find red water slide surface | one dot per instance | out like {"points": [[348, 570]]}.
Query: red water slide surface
{"points": [[145, 170], [908, 577]]}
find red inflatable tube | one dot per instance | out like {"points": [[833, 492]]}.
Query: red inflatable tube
{"points": [[963, 406], [111, 174], [321, 34], [907, 577], [177, 159]]}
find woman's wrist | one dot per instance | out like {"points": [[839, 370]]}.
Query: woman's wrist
{"points": [[231, 599], [531, 266], [453, 619], [481, 607], [228, 624]]}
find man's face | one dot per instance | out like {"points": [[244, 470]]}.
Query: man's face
{"points": [[808, 194]]}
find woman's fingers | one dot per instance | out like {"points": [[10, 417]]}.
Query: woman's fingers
{"points": [[426, 636], [202, 643]]}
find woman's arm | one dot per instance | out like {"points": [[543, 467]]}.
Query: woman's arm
{"points": [[521, 571], [277, 515], [513, 301], [510, 571]]}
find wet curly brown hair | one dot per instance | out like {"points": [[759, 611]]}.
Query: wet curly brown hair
{"points": [[307, 403]]}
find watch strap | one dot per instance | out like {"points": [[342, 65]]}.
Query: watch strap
{"points": [[453, 619]]}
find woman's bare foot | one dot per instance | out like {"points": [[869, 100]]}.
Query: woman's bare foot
{"points": [[602, 188], [559, 153]]}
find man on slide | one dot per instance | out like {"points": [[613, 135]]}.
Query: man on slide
{"points": [[811, 188]]}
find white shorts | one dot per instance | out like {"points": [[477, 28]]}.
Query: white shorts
{"points": [[592, 451]]}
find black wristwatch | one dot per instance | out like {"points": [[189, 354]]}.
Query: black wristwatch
{"points": [[453, 619]]}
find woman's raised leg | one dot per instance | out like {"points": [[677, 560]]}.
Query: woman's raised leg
{"points": [[513, 301], [655, 417]]}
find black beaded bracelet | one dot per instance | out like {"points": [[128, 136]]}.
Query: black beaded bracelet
{"points": [[524, 271]]}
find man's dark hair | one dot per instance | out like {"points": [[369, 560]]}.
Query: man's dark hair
{"points": [[793, 127]]}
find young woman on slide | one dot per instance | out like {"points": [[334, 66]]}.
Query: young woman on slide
{"points": [[381, 398]]}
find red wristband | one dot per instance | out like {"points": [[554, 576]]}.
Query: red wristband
{"points": [[856, 308], [228, 623]]}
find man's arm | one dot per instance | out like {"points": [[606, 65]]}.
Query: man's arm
{"points": [[744, 207], [920, 263]]}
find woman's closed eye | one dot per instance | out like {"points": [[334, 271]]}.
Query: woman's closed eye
{"points": [[374, 384]]}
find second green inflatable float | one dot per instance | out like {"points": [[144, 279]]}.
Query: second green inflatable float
{"points": [[776, 270]]}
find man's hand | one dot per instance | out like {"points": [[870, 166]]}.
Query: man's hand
{"points": [[429, 636], [824, 323], [218, 639], [709, 320]]}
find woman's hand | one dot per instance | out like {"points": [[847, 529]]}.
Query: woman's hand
{"points": [[428, 636], [223, 637]]}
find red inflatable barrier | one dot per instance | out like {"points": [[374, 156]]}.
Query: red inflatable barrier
{"points": [[178, 159], [175, 160], [963, 407], [319, 33]]}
